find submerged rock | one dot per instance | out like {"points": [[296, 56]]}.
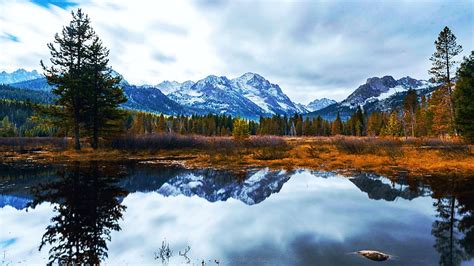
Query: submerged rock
{"points": [[374, 255]]}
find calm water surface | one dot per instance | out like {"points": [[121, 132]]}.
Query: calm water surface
{"points": [[155, 215]]}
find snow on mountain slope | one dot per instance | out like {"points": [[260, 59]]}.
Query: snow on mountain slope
{"points": [[249, 96], [301, 108], [319, 104], [215, 95], [168, 87], [266, 95], [377, 94], [382, 88], [18, 75]]}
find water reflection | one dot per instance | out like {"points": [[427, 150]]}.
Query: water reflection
{"points": [[454, 224], [251, 217], [87, 209], [378, 187], [250, 187]]}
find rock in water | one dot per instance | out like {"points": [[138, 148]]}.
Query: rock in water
{"points": [[374, 255]]}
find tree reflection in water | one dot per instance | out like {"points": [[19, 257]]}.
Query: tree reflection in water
{"points": [[87, 206], [454, 226]]}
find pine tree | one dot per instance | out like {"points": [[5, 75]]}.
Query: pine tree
{"points": [[464, 98], [375, 124], [241, 129], [393, 126], [336, 128], [68, 71], [7, 129], [439, 110], [104, 93], [410, 107], [443, 64], [421, 118]]}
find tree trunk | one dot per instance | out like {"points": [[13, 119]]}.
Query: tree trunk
{"points": [[451, 230], [450, 92], [77, 137], [95, 114]]}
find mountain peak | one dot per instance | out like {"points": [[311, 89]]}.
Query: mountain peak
{"points": [[215, 79], [387, 81], [250, 75], [18, 75], [319, 104]]}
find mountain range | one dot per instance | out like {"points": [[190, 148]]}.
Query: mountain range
{"points": [[377, 94], [18, 75], [249, 96]]}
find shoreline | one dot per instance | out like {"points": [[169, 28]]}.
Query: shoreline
{"points": [[308, 153]]}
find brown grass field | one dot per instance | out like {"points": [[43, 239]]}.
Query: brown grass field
{"points": [[417, 157]]}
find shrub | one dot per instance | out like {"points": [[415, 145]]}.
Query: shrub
{"points": [[268, 147], [24, 144], [351, 145], [315, 149], [270, 153], [265, 141], [155, 142]]}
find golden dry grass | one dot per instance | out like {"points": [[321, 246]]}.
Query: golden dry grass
{"points": [[304, 152]]}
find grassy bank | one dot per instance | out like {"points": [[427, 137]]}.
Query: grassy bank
{"points": [[383, 156]]}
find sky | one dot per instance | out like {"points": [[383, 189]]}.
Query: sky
{"points": [[312, 49]]}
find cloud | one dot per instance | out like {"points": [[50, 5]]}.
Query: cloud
{"points": [[312, 49], [159, 56]]}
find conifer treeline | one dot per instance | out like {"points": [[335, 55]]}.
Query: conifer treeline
{"points": [[416, 119]]}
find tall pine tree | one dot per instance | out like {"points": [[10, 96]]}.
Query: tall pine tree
{"points": [[88, 95], [443, 64], [410, 107], [104, 94], [68, 71]]}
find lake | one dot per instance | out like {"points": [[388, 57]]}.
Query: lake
{"points": [[150, 214]]}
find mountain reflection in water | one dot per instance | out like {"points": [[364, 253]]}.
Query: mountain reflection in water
{"points": [[124, 213]]}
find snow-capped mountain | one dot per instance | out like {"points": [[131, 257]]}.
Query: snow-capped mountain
{"points": [[382, 88], [215, 95], [18, 76], [168, 87], [319, 104], [377, 94], [254, 189], [249, 95], [266, 95]]}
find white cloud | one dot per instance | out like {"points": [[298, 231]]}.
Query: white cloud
{"points": [[311, 49]]}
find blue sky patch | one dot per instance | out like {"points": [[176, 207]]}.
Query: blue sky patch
{"points": [[10, 37], [64, 4], [7, 242]]}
